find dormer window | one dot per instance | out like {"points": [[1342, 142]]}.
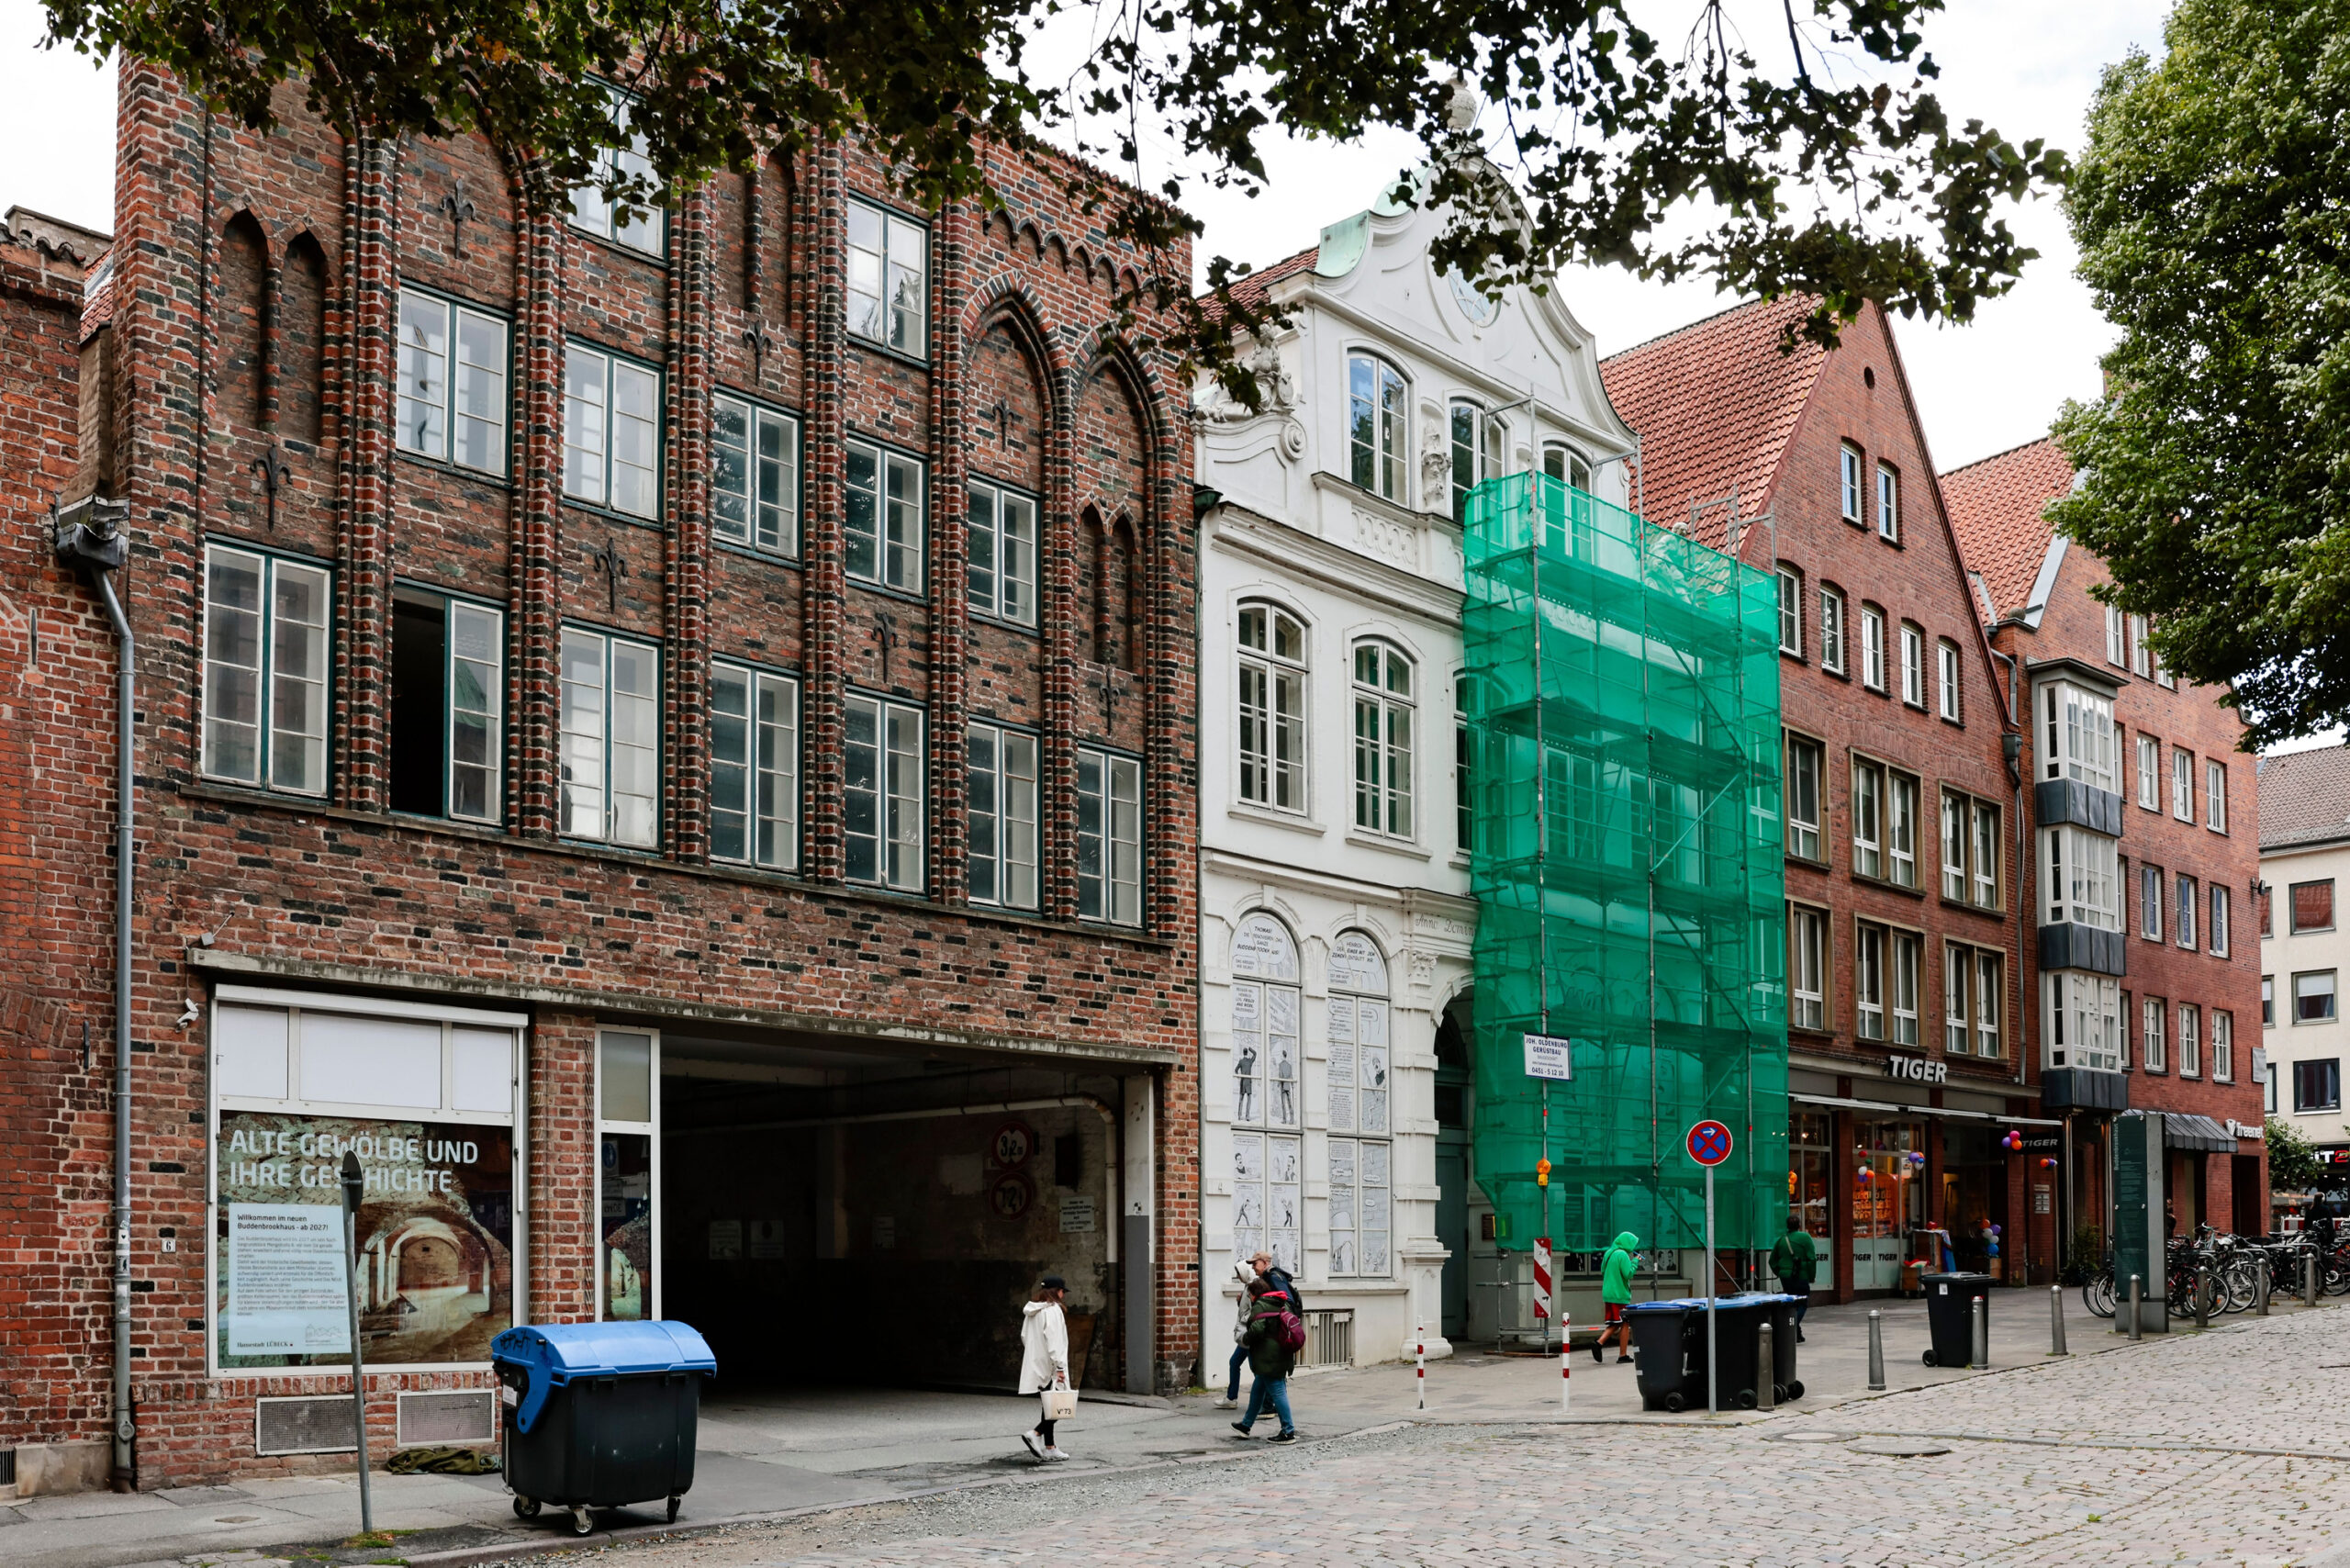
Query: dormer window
{"points": [[1377, 427]]}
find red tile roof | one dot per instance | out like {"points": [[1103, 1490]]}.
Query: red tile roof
{"points": [[2304, 797], [1995, 507], [1250, 291], [1714, 404]]}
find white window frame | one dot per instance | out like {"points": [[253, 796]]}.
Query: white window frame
{"points": [[1001, 552], [1464, 804], [1869, 792], [1831, 631], [1990, 1004], [2189, 894], [2116, 642], [763, 767], [1807, 767], [2153, 1034], [592, 803], [758, 506], [2215, 794], [886, 295], [894, 535], [1870, 960], [1268, 1089], [2080, 886], [2154, 893], [597, 431], [2077, 736], [1906, 965], [1872, 647], [488, 679], [272, 689], [2223, 1046], [2216, 931], [1379, 413], [1947, 667], [1790, 611], [1269, 702], [2190, 1040], [649, 1130], [896, 795], [1888, 503], [1478, 444], [1854, 496], [1806, 967], [2141, 662], [2182, 784], [1004, 789], [1902, 803], [1383, 754], [2149, 773], [645, 229], [1109, 836], [1913, 664], [2080, 1020], [1359, 1085], [447, 385]]}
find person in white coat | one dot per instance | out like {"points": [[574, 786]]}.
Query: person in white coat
{"points": [[1043, 1358]]}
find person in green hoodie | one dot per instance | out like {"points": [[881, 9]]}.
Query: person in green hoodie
{"points": [[1616, 1273], [1796, 1260]]}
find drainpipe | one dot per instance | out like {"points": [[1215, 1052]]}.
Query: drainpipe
{"points": [[89, 537]]}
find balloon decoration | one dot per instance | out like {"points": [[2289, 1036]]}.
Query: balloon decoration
{"points": [[2014, 1141], [2048, 1162]]}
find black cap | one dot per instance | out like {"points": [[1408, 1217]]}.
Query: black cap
{"points": [[1054, 1283]]}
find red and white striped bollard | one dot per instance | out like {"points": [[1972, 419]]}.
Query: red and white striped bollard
{"points": [[1566, 1357], [1420, 1357]]}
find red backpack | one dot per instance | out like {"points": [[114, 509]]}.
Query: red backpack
{"points": [[1289, 1329]]}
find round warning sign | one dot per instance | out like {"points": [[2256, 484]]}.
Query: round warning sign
{"points": [[1709, 1143]]}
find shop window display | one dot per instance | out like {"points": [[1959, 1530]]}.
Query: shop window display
{"points": [[1888, 1200]]}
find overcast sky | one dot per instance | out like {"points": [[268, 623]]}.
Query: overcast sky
{"points": [[2026, 66]]}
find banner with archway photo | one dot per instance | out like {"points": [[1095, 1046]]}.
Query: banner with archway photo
{"points": [[435, 1240]]}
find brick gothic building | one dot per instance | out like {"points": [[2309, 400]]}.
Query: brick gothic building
{"points": [[1907, 1065], [2146, 829], [670, 736]]}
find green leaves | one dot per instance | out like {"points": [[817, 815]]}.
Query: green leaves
{"points": [[1828, 167], [2210, 207]]}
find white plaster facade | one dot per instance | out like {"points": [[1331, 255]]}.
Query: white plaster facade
{"points": [[1324, 909], [2309, 1028]]}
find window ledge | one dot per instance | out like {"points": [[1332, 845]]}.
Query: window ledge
{"points": [[1811, 862], [1392, 846], [752, 552], [627, 518], [1249, 811], [875, 345], [1868, 881], [1999, 916], [457, 471]]}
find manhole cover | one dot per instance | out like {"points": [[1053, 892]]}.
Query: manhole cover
{"points": [[1814, 1437], [1901, 1448], [237, 1520]]}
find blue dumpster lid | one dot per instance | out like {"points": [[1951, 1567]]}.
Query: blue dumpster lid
{"points": [[556, 1353], [1683, 1303]]}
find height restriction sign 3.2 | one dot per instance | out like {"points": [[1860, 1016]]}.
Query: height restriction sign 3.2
{"points": [[1709, 1143]]}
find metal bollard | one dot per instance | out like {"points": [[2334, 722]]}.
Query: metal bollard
{"points": [[2260, 1290], [2056, 1321], [1876, 1351], [2308, 1278], [1982, 1334], [1766, 1373], [2202, 1297], [2135, 1287]]}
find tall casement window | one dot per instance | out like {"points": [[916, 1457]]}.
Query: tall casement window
{"points": [[2151, 892], [2153, 1034], [448, 687], [2268, 1002], [2186, 902], [1109, 838], [1971, 996], [2182, 784], [453, 369], [2215, 795], [1383, 699], [2190, 1040], [612, 432], [882, 797], [1908, 952], [1464, 800], [636, 224], [1804, 768], [1360, 1209], [1806, 967], [888, 279], [265, 671], [611, 738], [628, 1174], [2117, 646], [1869, 960], [2082, 878], [1790, 612], [1901, 829], [1480, 451], [1002, 788], [1855, 495], [1831, 631], [754, 475], [1913, 664], [1946, 678], [1377, 437], [2218, 933], [883, 528], [1888, 502], [2077, 736], [2223, 1047], [2081, 1020], [1868, 819], [1872, 647], [1268, 1156], [1272, 707], [1971, 850], [2149, 773], [754, 767], [2140, 655], [1003, 553], [1566, 465]]}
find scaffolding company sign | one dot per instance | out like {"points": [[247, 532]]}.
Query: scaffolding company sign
{"points": [[1549, 1055]]}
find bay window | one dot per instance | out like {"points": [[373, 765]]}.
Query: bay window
{"points": [[2081, 881], [2081, 1020], [2077, 736]]}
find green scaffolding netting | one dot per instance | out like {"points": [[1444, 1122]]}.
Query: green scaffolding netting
{"points": [[1622, 703]]}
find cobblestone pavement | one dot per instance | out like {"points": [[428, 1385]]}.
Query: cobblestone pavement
{"points": [[2159, 1453]]}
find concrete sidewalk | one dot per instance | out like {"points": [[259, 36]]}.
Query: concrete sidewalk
{"points": [[769, 1452]]}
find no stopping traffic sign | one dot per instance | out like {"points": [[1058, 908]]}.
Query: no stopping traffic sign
{"points": [[1709, 1143]]}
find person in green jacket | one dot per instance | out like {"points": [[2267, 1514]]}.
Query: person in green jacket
{"points": [[1796, 1260], [1616, 1273]]}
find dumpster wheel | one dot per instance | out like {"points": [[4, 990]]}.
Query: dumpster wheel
{"points": [[1794, 1389], [582, 1521], [1929, 1358], [525, 1508], [673, 1510], [1674, 1403]]}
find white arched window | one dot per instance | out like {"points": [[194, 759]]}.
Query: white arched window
{"points": [[1272, 707], [1378, 401], [1480, 451], [1564, 462], [1383, 695], [1267, 1194], [1360, 1210]]}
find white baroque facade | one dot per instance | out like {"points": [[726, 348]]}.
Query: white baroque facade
{"points": [[1336, 916]]}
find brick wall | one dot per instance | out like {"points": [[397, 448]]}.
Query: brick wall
{"points": [[256, 318]]}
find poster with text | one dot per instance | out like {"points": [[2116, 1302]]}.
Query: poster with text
{"points": [[435, 1264]]}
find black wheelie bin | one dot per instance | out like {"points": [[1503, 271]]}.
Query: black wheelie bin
{"points": [[1950, 1317], [600, 1415], [1737, 1347], [1669, 1352]]}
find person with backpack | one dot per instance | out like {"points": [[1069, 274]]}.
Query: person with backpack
{"points": [[1242, 1307], [1276, 1333], [1796, 1260], [1616, 1271], [1043, 1358]]}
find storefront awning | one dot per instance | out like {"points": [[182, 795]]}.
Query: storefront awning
{"points": [[2187, 1131], [1887, 1107]]}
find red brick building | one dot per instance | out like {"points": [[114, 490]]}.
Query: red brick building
{"points": [[2144, 800], [671, 736], [1908, 1063]]}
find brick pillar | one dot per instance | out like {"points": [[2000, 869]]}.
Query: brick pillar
{"points": [[535, 602], [1058, 610], [824, 594], [561, 1171], [686, 547], [950, 672], [365, 546]]}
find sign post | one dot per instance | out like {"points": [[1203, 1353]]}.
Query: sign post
{"points": [[353, 1182], [1709, 1145], [1548, 1056]]}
